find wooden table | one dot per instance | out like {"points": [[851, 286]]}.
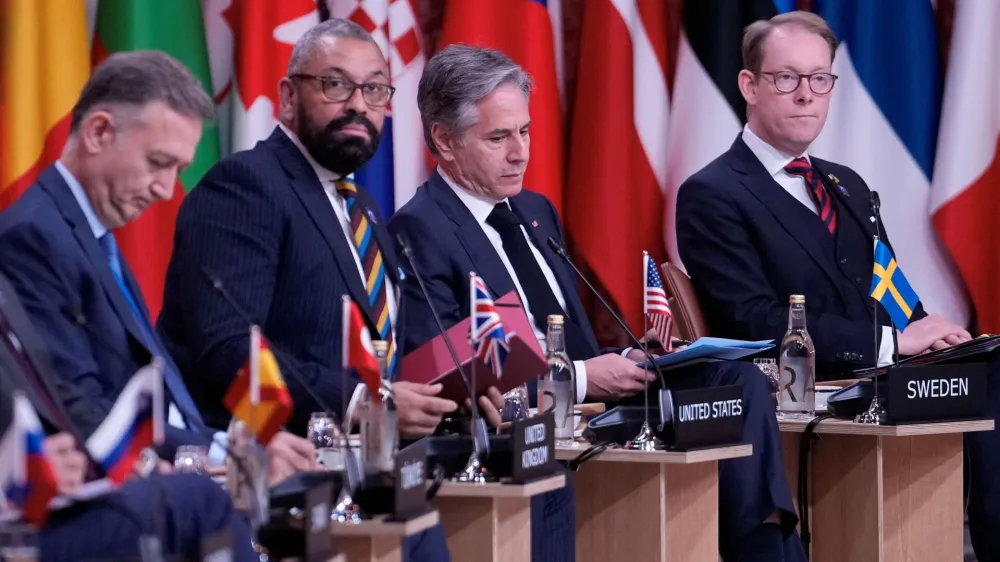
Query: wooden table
{"points": [[649, 506], [378, 539], [490, 522], [882, 493]]}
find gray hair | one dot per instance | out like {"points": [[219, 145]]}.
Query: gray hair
{"points": [[455, 79], [336, 28], [139, 78]]}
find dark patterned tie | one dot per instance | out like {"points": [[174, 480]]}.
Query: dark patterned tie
{"points": [[801, 167], [371, 263]]}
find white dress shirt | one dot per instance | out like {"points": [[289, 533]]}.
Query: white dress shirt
{"points": [[774, 162], [481, 208], [328, 180]]}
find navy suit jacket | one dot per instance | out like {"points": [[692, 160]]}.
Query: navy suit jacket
{"points": [[448, 243], [62, 277], [748, 244], [261, 221]]}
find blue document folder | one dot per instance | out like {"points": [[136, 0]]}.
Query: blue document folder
{"points": [[709, 349]]}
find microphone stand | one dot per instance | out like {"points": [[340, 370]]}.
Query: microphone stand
{"points": [[646, 440], [875, 414]]}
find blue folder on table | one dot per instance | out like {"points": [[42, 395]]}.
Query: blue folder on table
{"points": [[710, 349]]}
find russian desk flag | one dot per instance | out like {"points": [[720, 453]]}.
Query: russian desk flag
{"points": [[134, 423], [26, 478]]}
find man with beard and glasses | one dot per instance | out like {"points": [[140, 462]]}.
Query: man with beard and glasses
{"points": [[288, 235]]}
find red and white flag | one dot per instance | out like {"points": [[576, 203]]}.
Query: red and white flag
{"points": [[965, 190], [618, 150], [655, 304]]}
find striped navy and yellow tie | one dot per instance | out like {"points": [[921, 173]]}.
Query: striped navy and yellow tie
{"points": [[371, 263]]}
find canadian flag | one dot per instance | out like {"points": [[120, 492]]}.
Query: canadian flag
{"points": [[618, 150], [965, 190]]}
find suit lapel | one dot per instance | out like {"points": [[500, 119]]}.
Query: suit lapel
{"points": [[855, 208], [787, 211], [310, 193], [470, 234], [56, 187]]}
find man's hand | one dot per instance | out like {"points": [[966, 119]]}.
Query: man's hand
{"points": [[490, 406], [68, 464], [613, 377], [288, 454], [931, 333], [419, 408]]}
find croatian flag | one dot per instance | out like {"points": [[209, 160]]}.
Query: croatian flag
{"points": [[26, 477], [134, 423], [487, 334], [883, 123], [400, 164]]}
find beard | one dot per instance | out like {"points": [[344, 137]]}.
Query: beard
{"points": [[342, 156]]}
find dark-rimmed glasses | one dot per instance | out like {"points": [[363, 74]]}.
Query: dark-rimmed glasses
{"points": [[341, 89], [787, 82]]}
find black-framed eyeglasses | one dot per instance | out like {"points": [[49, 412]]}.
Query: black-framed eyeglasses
{"points": [[787, 82], [341, 89]]}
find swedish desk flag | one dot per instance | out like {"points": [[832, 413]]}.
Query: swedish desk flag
{"points": [[890, 287]]}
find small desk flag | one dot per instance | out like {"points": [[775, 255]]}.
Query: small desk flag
{"points": [[890, 287]]}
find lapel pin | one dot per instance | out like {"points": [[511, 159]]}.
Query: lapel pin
{"points": [[371, 216], [534, 224], [836, 181]]}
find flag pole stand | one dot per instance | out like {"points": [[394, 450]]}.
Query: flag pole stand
{"points": [[475, 472], [646, 440], [875, 414]]}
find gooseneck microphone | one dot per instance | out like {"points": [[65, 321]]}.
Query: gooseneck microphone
{"points": [[479, 433], [352, 469], [562, 253]]}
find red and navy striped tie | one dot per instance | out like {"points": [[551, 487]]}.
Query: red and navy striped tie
{"points": [[801, 167], [374, 269]]}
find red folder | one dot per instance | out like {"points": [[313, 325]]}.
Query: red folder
{"points": [[432, 363]]}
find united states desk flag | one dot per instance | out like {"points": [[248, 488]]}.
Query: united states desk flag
{"points": [[655, 306], [258, 396], [134, 423], [488, 339], [359, 355], [26, 478], [890, 287]]}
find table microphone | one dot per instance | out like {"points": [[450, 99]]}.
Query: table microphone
{"points": [[479, 432], [561, 252]]}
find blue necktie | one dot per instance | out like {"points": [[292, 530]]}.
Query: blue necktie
{"points": [[178, 391]]}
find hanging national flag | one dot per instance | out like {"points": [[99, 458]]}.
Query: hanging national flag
{"points": [[400, 164], [258, 396], [43, 57], [26, 478], [617, 157], [359, 355], [890, 287], [655, 305], [263, 35], [176, 28], [524, 31], [134, 423], [965, 193], [883, 124], [486, 330]]}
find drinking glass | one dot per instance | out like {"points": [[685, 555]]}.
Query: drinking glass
{"points": [[328, 439], [515, 404], [769, 367]]}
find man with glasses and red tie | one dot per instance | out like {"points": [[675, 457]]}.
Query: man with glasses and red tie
{"points": [[767, 220]]}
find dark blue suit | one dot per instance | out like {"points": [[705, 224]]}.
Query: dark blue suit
{"points": [[261, 221], [448, 242], [748, 244], [61, 275]]}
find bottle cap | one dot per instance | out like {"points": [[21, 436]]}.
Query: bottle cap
{"points": [[797, 299], [381, 345], [555, 319]]}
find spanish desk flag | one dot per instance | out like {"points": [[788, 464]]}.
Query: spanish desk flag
{"points": [[258, 396], [890, 287]]}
